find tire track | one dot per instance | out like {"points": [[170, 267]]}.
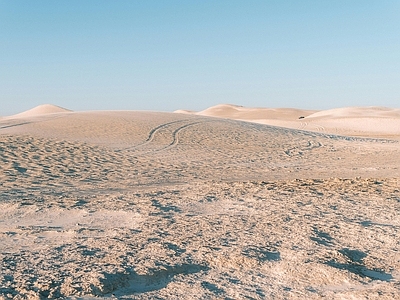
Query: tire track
{"points": [[152, 133], [175, 135], [299, 151], [14, 125], [157, 129], [9, 123]]}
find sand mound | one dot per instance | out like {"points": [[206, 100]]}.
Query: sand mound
{"points": [[370, 121], [254, 114], [184, 111], [363, 121], [221, 110], [357, 112], [44, 109]]}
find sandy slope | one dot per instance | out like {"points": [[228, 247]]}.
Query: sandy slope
{"points": [[145, 205], [245, 113], [354, 121], [40, 110]]}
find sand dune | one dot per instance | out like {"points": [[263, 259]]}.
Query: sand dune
{"points": [[357, 112], [367, 121], [354, 121], [144, 205], [243, 113], [184, 111], [40, 110]]}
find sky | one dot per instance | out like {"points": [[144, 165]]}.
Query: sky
{"points": [[192, 54]]}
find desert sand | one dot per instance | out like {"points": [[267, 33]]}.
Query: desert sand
{"points": [[354, 121], [227, 203]]}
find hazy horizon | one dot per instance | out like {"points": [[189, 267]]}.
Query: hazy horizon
{"points": [[164, 56]]}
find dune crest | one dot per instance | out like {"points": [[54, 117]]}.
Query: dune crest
{"points": [[184, 111], [370, 121], [358, 112], [44, 109], [237, 112]]}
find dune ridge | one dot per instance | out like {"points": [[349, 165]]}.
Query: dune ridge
{"points": [[370, 121], [40, 110], [358, 112], [248, 113]]}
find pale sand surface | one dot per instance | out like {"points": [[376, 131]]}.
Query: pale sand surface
{"points": [[39, 110], [353, 121], [150, 205]]}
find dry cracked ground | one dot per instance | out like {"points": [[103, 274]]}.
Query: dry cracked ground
{"points": [[141, 205]]}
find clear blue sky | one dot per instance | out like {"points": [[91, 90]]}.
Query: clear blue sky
{"points": [[167, 55]]}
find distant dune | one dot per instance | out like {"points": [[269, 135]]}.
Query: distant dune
{"points": [[184, 111], [357, 112], [253, 114], [355, 121], [44, 109]]}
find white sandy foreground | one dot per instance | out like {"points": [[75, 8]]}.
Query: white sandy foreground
{"points": [[151, 205]]}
